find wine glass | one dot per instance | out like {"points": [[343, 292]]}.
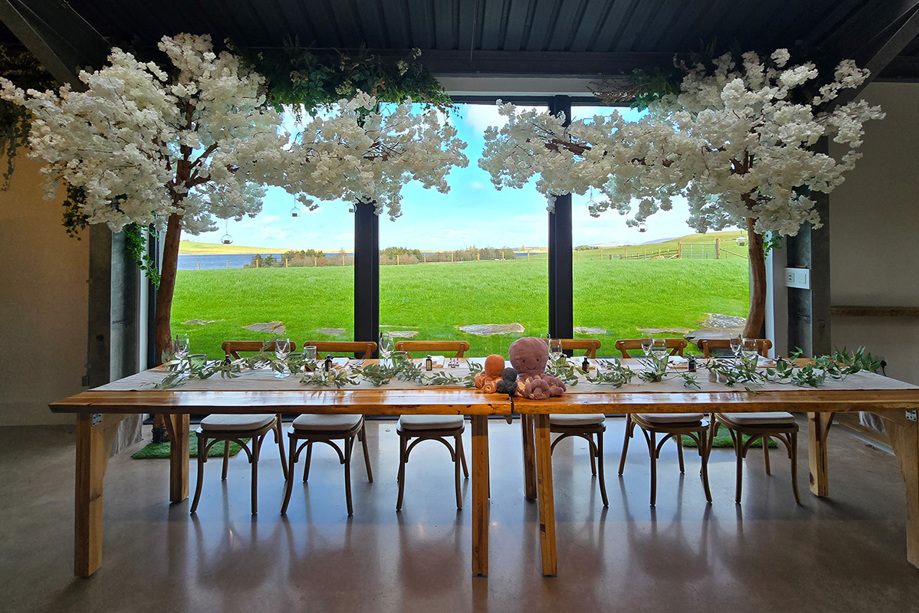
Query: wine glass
{"points": [[659, 347], [386, 346], [736, 343], [282, 351], [555, 349], [180, 346], [646, 344]]}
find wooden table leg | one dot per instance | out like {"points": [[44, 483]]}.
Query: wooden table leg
{"points": [[818, 428], [178, 426], [529, 457], [480, 475], [904, 438], [546, 496], [95, 435]]}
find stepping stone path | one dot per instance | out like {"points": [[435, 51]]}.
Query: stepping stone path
{"points": [[403, 333], [590, 330], [492, 329], [331, 331], [665, 330], [200, 322], [273, 327], [718, 326]]}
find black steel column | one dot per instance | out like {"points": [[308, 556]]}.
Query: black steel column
{"points": [[366, 273], [561, 284], [809, 309]]}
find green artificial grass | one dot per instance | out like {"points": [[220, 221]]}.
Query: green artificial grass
{"points": [[160, 451], [618, 295], [724, 440]]}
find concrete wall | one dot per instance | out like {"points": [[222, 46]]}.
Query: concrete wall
{"points": [[874, 234], [43, 303]]}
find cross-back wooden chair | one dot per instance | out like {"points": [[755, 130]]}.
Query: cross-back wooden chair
{"points": [[360, 349], [583, 426], [670, 425], [432, 427], [758, 426], [237, 428], [314, 428], [722, 347], [458, 347], [633, 345]]}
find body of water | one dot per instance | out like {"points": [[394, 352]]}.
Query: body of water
{"points": [[212, 261]]}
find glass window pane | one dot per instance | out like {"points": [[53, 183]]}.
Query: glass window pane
{"points": [[663, 276], [475, 256]]}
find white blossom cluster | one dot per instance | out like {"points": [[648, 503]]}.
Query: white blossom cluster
{"points": [[144, 143], [737, 142], [354, 152]]}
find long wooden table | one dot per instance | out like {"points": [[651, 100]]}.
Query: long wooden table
{"points": [[819, 404], [98, 413]]}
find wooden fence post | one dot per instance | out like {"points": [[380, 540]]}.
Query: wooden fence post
{"points": [[228, 264], [285, 262], [199, 265], [717, 248], [679, 250]]}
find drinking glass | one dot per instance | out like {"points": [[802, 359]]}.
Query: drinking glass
{"points": [[659, 347], [282, 351], [180, 346], [386, 346], [646, 344], [736, 343], [309, 355], [748, 352], [555, 349]]}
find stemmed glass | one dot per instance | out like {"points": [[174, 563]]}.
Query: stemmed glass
{"points": [[659, 347], [180, 346], [646, 344], [282, 351], [386, 346], [555, 350], [736, 343]]}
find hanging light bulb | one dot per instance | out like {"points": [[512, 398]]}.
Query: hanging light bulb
{"points": [[226, 239], [642, 227], [295, 212]]}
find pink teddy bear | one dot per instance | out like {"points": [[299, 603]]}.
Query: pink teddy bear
{"points": [[529, 356]]}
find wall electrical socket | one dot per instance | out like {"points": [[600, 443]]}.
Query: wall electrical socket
{"points": [[799, 278]]}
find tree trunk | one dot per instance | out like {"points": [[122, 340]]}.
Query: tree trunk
{"points": [[162, 331], [757, 315]]}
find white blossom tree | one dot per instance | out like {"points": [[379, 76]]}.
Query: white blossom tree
{"points": [[174, 147], [356, 152], [736, 142]]}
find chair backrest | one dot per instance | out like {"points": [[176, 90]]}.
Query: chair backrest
{"points": [[234, 347], [460, 347], [675, 345], [722, 346], [589, 345], [364, 348]]}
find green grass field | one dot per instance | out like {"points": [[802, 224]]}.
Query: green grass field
{"points": [[619, 295]]}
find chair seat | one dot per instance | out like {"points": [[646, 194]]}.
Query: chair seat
{"points": [[326, 423], [236, 422], [671, 418], [564, 419], [761, 419], [430, 422]]}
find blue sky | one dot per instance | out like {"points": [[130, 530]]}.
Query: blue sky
{"points": [[473, 213]]}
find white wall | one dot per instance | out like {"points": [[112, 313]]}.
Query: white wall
{"points": [[874, 234], [43, 303]]}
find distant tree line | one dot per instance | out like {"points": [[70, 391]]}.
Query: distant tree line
{"points": [[388, 256]]}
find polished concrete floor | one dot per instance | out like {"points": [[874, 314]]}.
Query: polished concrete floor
{"points": [[843, 553]]}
